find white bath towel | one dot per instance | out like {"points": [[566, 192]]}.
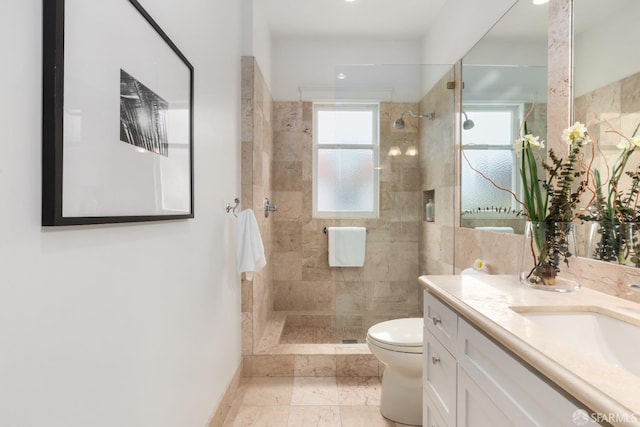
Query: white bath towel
{"points": [[347, 246], [249, 247]]}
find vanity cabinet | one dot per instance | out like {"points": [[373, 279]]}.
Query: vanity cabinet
{"points": [[471, 381]]}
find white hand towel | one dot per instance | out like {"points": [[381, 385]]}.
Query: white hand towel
{"points": [[347, 246], [249, 248]]}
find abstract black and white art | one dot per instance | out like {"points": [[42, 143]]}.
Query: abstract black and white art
{"points": [[143, 116], [117, 130]]}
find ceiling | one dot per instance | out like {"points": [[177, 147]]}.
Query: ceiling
{"points": [[388, 19]]}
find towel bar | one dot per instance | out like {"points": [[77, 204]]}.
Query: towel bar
{"points": [[325, 231]]}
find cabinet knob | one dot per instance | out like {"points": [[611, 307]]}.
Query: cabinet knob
{"points": [[435, 359], [435, 321]]}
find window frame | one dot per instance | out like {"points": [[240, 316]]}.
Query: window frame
{"points": [[374, 146]]}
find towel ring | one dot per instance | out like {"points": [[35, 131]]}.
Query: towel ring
{"points": [[232, 209]]}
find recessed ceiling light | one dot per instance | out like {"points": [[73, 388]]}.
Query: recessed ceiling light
{"points": [[350, 1], [540, 1], [341, 76]]}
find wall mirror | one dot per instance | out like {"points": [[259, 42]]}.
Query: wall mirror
{"points": [[505, 81], [606, 74]]}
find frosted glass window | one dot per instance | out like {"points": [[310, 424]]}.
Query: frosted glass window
{"points": [[345, 180], [488, 146], [345, 160], [480, 193], [345, 127], [490, 128]]}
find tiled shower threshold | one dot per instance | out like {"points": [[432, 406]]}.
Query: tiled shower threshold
{"points": [[272, 358]]}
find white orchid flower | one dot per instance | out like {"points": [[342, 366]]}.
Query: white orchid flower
{"points": [[576, 133], [528, 141], [479, 265]]}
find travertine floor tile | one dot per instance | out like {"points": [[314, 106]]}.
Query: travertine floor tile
{"points": [[308, 402], [314, 391], [314, 416], [363, 416], [264, 391], [262, 416], [359, 391]]}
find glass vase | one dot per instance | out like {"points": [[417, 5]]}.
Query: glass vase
{"points": [[617, 242], [548, 247]]}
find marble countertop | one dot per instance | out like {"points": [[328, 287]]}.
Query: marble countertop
{"points": [[487, 300]]}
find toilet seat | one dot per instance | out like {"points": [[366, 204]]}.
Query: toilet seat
{"points": [[403, 335]]}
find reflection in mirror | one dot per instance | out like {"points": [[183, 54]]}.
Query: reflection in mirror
{"points": [[607, 99], [505, 83]]}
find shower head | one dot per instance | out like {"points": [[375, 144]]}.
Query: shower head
{"points": [[468, 123], [399, 122]]}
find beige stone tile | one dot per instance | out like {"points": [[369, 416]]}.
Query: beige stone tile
{"points": [[263, 416], [266, 391], [287, 176], [359, 390], [289, 205], [314, 391], [304, 349], [303, 295], [345, 349], [287, 116], [315, 365], [287, 236], [316, 416], [272, 365], [363, 416], [286, 265], [315, 266], [247, 333], [356, 365], [287, 146]]}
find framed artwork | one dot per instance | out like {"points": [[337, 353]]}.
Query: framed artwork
{"points": [[117, 116]]}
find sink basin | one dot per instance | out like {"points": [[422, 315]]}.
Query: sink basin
{"points": [[594, 334]]}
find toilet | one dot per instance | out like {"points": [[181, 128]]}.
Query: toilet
{"points": [[398, 344]]}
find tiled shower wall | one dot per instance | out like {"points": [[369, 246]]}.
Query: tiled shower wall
{"points": [[257, 152], [386, 286], [438, 175]]}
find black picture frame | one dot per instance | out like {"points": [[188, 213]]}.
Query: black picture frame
{"points": [[117, 119]]}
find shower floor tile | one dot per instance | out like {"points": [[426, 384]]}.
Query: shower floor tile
{"points": [[322, 335]]}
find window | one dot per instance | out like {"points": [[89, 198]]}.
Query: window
{"points": [[345, 160], [489, 148]]}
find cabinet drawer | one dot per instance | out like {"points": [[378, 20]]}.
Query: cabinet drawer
{"points": [[439, 377], [441, 320], [430, 415]]}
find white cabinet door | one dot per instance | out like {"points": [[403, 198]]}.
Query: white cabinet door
{"points": [[475, 409], [439, 376], [430, 415]]}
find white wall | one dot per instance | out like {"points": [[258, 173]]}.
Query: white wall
{"points": [[257, 36], [120, 325], [459, 26], [606, 51]]}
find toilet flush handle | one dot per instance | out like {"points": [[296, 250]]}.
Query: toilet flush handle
{"points": [[435, 359], [436, 321]]}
